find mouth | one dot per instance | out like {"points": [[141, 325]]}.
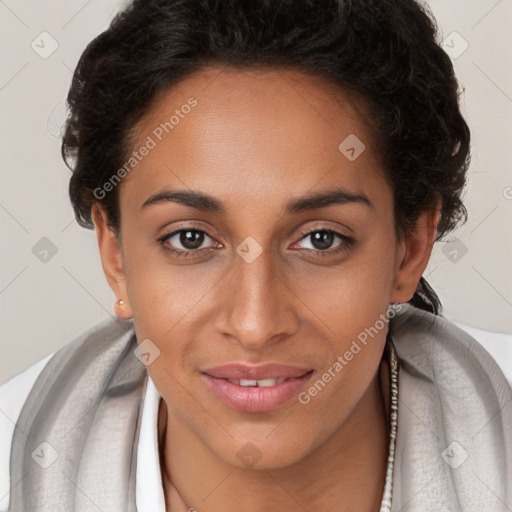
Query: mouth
{"points": [[255, 389]]}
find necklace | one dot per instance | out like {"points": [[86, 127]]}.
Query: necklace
{"points": [[388, 485]]}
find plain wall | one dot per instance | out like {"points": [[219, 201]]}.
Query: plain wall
{"points": [[44, 304]]}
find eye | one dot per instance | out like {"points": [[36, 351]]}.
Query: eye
{"points": [[321, 240], [185, 241], [188, 241]]}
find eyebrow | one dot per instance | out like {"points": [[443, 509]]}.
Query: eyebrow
{"points": [[207, 203]]}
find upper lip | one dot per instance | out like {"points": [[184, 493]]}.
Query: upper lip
{"points": [[255, 372]]}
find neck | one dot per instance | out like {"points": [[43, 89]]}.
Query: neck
{"points": [[346, 473]]}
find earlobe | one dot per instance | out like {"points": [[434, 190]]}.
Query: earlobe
{"points": [[111, 261], [414, 255]]}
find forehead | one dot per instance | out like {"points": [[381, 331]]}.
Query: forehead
{"points": [[219, 84], [259, 130]]}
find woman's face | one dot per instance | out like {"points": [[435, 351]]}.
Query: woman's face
{"points": [[250, 264]]}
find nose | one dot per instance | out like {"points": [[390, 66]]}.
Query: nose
{"points": [[258, 306]]}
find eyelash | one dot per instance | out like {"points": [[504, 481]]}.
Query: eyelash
{"points": [[347, 242]]}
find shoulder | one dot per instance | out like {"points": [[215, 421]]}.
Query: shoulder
{"points": [[497, 345], [13, 394], [436, 348], [94, 343], [454, 417]]}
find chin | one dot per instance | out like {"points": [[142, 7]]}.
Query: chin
{"points": [[264, 451]]}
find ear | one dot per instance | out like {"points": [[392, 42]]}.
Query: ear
{"points": [[111, 260], [413, 255]]}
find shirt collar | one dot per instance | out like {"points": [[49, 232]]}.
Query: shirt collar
{"points": [[149, 493]]}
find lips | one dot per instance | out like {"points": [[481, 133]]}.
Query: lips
{"points": [[259, 388], [238, 371]]}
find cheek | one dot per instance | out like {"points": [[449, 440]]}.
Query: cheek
{"points": [[161, 291], [170, 304], [373, 272], [353, 303], [354, 293]]}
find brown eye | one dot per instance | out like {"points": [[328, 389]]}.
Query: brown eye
{"points": [[323, 242], [185, 241], [323, 239]]}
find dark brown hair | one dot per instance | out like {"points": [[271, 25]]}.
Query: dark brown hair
{"points": [[382, 50]]}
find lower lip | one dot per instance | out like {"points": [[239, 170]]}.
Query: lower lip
{"points": [[254, 398]]}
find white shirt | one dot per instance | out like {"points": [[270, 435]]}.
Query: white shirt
{"points": [[149, 491]]}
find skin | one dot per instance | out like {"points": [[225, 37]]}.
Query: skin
{"points": [[256, 140]]}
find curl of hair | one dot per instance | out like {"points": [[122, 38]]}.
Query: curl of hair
{"points": [[384, 51]]}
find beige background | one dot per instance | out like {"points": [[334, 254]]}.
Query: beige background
{"points": [[46, 303]]}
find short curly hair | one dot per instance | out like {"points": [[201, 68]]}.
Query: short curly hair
{"points": [[383, 51]]}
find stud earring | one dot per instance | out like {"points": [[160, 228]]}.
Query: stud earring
{"points": [[121, 302]]}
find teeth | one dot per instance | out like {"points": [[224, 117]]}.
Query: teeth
{"points": [[263, 383], [267, 383], [247, 382]]}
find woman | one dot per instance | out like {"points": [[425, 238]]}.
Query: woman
{"points": [[266, 180]]}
